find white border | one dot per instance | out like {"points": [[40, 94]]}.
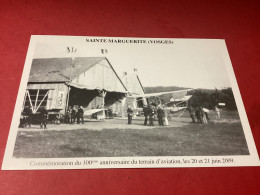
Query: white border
{"points": [[10, 163]]}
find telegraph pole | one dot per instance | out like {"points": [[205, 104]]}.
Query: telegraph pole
{"points": [[104, 52], [70, 50]]}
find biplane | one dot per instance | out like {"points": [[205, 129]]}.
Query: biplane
{"points": [[177, 103]]}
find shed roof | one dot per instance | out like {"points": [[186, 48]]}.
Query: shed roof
{"points": [[59, 69]]}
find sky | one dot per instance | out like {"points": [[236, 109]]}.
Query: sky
{"points": [[194, 63]]}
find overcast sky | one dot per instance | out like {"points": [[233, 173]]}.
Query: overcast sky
{"points": [[192, 63]]}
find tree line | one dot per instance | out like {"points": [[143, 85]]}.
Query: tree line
{"points": [[207, 98]]}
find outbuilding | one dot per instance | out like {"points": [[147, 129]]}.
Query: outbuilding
{"points": [[134, 87], [56, 83]]}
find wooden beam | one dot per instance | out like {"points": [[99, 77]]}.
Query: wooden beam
{"points": [[41, 101], [67, 100], [36, 98], [30, 100], [103, 102]]}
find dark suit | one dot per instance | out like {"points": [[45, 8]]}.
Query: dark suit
{"points": [[160, 116], [80, 116], [130, 115], [151, 116], [145, 110], [192, 114], [199, 115], [73, 116]]}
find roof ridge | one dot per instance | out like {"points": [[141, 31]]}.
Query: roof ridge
{"points": [[56, 69]]}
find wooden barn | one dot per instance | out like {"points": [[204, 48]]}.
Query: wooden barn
{"points": [[134, 86], [56, 83]]}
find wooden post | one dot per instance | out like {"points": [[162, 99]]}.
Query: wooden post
{"points": [[29, 96], [67, 101], [103, 102], [35, 103], [68, 94]]}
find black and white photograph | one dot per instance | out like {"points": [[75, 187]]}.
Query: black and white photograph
{"points": [[108, 102]]}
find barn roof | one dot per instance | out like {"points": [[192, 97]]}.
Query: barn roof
{"points": [[59, 69]]}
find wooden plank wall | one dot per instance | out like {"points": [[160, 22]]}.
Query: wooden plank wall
{"points": [[102, 76], [57, 95]]}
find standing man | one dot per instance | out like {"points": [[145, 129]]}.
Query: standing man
{"points": [[198, 115], [130, 115], [80, 115], [202, 116], [73, 115], [68, 115], [165, 116], [217, 110], [110, 112], [145, 110], [160, 115], [192, 113], [151, 115], [206, 115], [44, 115]]}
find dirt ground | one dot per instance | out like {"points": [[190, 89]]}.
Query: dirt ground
{"points": [[121, 123], [114, 137], [115, 123]]}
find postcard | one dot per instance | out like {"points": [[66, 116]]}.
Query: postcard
{"points": [[114, 102]]}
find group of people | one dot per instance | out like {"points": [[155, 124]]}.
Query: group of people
{"points": [[201, 115], [198, 115], [74, 115], [150, 112]]}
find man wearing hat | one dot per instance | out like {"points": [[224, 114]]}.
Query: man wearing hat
{"points": [[145, 110], [130, 115]]}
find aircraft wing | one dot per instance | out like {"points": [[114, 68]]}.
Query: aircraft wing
{"points": [[174, 109], [92, 111], [160, 93], [138, 109]]}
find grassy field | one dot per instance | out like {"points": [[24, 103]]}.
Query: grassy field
{"points": [[189, 140]]}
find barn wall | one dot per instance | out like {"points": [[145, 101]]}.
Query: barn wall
{"points": [[100, 76], [132, 84], [57, 95], [97, 101], [121, 107]]}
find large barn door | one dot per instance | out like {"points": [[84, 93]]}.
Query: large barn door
{"points": [[36, 98]]}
